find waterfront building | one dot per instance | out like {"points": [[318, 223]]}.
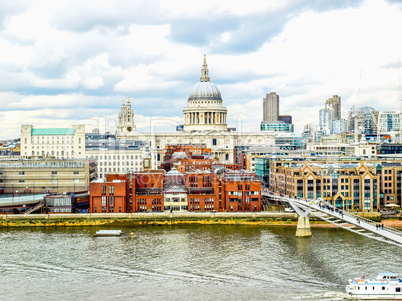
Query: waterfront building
{"points": [[271, 107], [348, 183], [196, 190], [348, 186], [46, 175], [241, 192], [108, 196], [203, 191], [147, 191], [55, 204]]}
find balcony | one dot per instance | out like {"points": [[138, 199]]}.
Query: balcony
{"points": [[200, 190], [148, 191]]}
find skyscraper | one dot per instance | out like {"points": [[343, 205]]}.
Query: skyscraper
{"points": [[271, 107], [334, 104]]}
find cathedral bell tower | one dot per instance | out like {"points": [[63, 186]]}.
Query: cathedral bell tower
{"points": [[126, 127]]}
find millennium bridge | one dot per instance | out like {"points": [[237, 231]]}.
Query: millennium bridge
{"points": [[347, 220]]}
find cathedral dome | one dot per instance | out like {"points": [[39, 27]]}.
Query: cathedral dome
{"points": [[205, 90]]}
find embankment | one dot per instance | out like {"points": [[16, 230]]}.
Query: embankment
{"points": [[166, 218]]}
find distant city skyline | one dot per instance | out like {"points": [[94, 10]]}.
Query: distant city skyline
{"points": [[64, 62]]}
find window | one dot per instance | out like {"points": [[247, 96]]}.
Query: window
{"points": [[76, 172], [103, 201], [54, 181], [111, 190], [214, 141], [21, 173], [21, 181], [54, 172], [111, 201]]}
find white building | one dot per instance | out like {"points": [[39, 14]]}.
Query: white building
{"points": [[60, 143], [205, 111], [204, 123], [117, 160]]}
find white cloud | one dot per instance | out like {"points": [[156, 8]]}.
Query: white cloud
{"points": [[52, 63]]}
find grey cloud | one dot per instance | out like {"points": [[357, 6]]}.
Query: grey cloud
{"points": [[113, 16], [9, 8], [247, 33]]}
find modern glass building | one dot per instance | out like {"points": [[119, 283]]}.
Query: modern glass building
{"points": [[276, 126]]}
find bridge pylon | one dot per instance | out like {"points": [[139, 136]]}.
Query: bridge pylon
{"points": [[303, 223]]}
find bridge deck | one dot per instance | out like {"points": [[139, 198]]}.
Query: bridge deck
{"points": [[344, 219]]}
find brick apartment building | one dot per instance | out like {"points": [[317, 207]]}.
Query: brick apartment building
{"points": [[157, 190]]}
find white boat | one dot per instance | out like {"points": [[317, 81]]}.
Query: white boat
{"points": [[387, 286], [108, 233]]}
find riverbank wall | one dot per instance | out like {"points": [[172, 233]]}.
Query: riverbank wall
{"points": [[167, 218]]}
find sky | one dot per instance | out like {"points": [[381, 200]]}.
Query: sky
{"points": [[73, 62]]}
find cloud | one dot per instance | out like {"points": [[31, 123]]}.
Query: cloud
{"points": [[73, 60]]}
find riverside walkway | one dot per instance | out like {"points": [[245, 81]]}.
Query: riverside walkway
{"points": [[344, 219]]}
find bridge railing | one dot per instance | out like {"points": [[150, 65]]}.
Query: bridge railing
{"points": [[329, 205], [362, 218]]}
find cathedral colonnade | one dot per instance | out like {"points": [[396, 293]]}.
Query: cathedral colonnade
{"points": [[205, 118]]}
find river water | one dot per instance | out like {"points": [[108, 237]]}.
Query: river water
{"points": [[208, 262]]}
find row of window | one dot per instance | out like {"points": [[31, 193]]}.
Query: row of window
{"points": [[104, 209], [118, 163], [54, 181], [123, 157]]}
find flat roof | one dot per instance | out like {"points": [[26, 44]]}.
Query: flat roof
{"points": [[53, 131]]}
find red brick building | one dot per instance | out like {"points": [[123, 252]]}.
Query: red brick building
{"points": [[108, 196], [157, 190], [147, 191], [241, 191], [175, 153], [203, 191]]}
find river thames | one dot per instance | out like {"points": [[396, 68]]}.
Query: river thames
{"points": [[208, 262]]}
